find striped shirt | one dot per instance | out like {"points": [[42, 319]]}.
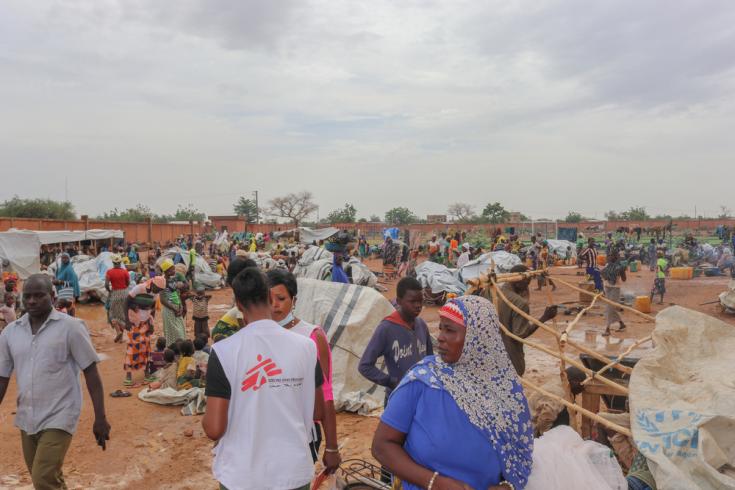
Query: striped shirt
{"points": [[589, 257]]}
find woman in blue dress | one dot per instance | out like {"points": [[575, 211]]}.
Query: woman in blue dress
{"points": [[459, 419]]}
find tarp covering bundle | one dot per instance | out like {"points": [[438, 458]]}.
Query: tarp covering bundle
{"points": [[348, 314], [682, 395], [202, 272], [504, 261], [439, 278]]}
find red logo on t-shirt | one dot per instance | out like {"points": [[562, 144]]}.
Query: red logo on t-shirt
{"points": [[257, 375]]}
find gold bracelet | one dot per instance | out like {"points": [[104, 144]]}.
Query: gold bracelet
{"points": [[507, 484], [431, 482]]}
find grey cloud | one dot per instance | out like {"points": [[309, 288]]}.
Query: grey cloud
{"points": [[645, 54]]}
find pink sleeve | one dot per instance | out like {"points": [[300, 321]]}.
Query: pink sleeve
{"points": [[327, 386]]}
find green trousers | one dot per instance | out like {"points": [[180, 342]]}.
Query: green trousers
{"points": [[44, 454]]}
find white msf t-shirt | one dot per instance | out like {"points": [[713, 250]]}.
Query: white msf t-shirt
{"points": [[271, 375]]}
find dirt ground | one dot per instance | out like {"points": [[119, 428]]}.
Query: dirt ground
{"points": [[148, 448]]}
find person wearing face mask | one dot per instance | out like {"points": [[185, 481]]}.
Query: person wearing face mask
{"points": [[284, 289], [459, 419]]}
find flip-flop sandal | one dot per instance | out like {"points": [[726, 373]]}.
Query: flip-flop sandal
{"points": [[605, 334], [621, 328], [149, 379], [120, 394], [118, 338], [128, 382]]}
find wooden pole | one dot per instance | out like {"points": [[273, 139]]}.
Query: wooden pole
{"points": [[611, 425], [614, 303], [565, 335], [621, 389], [618, 359], [556, 334]]}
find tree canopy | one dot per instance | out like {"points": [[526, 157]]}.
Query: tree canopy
{"points": [[495, 213], [246, 208], [573, 217], [37, 208], [400, 216], [347, 214]]}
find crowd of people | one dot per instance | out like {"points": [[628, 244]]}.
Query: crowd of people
{"points": [[267, 374]]}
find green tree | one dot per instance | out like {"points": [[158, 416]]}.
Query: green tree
{"points": [[613, 215], [188, 213], [400, 216], [496, 213], [635, 214], [140, 212], [37, 208], [347, 214], [573, 217], [374, 218], [246, 208]]}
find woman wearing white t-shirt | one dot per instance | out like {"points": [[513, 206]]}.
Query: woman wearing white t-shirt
{"points": [[284, 289], [264, 391]]}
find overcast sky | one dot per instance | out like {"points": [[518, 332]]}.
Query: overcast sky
{"points": [[544, 106]]}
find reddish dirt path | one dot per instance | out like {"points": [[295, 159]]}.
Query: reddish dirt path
{"points": [[148, 447]]}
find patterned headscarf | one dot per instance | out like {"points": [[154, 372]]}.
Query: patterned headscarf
{"points": [[485, 387]]}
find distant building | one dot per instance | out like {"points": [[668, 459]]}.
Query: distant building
{"points": [[436, 218]]}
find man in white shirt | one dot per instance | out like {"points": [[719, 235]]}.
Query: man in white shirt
{"points": [[264, 391]]}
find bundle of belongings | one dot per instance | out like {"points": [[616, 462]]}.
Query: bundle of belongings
{"points": [[439, 279], [682, 396], [202, 271], [503, 261], [316, 263], [727, 298]]}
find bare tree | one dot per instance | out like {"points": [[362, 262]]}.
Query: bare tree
{"points": [[724, 212], [461, 211], [295, 207]]}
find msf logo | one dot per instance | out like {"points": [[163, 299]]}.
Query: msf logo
{"points": [[257, 376]]}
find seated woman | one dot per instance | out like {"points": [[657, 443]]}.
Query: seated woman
{"points": [[459, 419]]}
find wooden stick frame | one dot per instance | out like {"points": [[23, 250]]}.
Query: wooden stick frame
{"points": [[492, 281]]}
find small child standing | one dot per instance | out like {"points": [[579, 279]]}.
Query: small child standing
{"points": [[7, 311], [659, 283], [200, 313]]}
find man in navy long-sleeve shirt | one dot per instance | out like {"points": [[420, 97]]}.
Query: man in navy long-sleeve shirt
{"points": [[402, 339]]}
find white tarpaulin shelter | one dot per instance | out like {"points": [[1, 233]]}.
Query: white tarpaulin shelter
{"points": [[348, 314], [307, 235], [21, 249], [504, 261], [682, 402], [65, 236]]}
